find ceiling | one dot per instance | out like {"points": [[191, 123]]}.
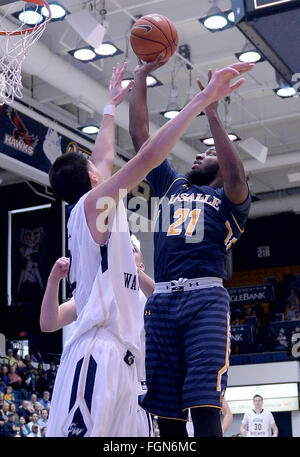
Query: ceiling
{"points": [[69, 91]]}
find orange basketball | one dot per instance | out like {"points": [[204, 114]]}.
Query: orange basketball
{"points": [[151, 35]]}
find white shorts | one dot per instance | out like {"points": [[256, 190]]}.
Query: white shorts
{"points": [[95, 391]]}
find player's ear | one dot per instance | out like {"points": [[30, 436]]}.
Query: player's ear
{"points": [[93, 178]]}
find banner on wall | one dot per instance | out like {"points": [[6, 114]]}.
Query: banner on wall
{"points": [[241, 334], [251, 294], [32, 253], [30, 142]]}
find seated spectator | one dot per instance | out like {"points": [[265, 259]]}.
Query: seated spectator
{"points": [[37, 408], [1, 399], [9, 359], [40, 370], [25, 410], [9, 395], [51, 375], [13, 409], [293, 299], [290, 313], [24, 429], [4, 411], [45, 401], [29, 374], [43, 420], [42, 384], [32, 401], [10, 428], [16, 381], [4, 379], [296, 316], [34, 421], [20, 364], [282, 343], [35, 433], [43, 431]]}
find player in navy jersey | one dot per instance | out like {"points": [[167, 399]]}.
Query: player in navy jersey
{"points": [[201, 216]]}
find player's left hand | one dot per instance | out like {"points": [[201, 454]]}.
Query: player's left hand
{"points": [[117, 93], [213, 107], [145, 68]]}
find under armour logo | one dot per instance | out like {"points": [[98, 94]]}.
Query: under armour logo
{"points": [[178, 286], [147, 312]]}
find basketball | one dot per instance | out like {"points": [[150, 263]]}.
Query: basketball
{"points": [[151, 35]]}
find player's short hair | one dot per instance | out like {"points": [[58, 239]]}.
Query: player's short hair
{"points": [[259, 396], [69, 177]]}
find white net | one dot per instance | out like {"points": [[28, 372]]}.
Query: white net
{"points": [[16, 38]]}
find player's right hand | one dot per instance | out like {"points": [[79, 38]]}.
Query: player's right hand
{"points": [[60, 268]]}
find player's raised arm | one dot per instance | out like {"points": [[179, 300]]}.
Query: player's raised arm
{"points": [[155, 150], [231, 166], [54, 316], [138, 111], [104, 151]]}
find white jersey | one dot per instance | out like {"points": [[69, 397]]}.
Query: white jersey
{"points": [[95, 390], [258, 424]]}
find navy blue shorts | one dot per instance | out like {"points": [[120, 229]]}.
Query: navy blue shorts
{"points": [[187, 350]]}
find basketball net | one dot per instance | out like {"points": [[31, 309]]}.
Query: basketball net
{"points": [[16, 38]]}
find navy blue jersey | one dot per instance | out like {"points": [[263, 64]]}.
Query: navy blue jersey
{"points": [[195, 228]]}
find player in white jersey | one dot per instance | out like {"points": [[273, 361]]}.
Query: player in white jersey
{"points": [[87, 399], [258, 422]]}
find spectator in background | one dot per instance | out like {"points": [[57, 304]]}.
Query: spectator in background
{"points": [[293, 299], [10, 428], [34, 421], [43, 420], [13, 409], [45, 401], [296, 316], [1, 399], [282, 342], [25, 410], [35, 432], [24, 428], [4, 411], [51, 375], [39, 371], [43, 432], [9, 359], [32, 401], [16, 381], [9, 395], [42, 384], [4, 379], [20, 364], [38, 408], [29, 374]]}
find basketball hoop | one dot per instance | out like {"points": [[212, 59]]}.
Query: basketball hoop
{"points": [[15, 44]]}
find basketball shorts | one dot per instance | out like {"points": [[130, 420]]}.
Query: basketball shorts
{"points": [[95, 391], [187, 350]]}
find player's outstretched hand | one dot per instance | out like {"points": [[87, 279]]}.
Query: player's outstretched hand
{"points": [[220, 84], [60, 268], [117, 93]]}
